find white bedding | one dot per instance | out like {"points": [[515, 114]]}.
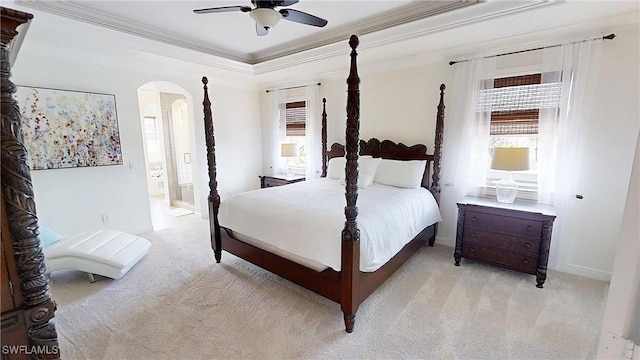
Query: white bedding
{"points": [[307, 218]]}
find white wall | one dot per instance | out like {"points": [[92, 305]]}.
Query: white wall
{"points": [[399, 105], [622, 311], [64, 54], [606, 172]]}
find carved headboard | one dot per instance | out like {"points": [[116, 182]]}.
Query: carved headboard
{"points": [[388, 149]]}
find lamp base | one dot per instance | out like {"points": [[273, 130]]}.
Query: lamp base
{"points": [[506, 189], [290, 171]]}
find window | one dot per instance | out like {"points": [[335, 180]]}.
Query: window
{"points": [[515, 103], [154, 153], [295, 115], [295, 118], [153, 141]]}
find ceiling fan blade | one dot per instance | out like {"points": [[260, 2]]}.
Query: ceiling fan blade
{"points": [[222, 9], [302, 17], [273, 3], [261, 31], [287, 2]]}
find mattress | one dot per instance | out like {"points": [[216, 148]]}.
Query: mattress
{"points": [[304, 220]]}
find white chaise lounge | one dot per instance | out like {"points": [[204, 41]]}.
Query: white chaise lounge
{"points": [[109, 253]]}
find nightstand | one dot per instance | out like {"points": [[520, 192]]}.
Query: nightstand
{"points": [[515, 236], [279, 179]]}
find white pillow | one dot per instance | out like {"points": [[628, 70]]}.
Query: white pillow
{"points": [[400, 173], [367, 167], [335, 168]]}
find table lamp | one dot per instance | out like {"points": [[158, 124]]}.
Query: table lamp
{"points": [[509, 159], [289, 150]]}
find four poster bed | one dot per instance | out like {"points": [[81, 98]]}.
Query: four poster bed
{"points": [[352, 269]]}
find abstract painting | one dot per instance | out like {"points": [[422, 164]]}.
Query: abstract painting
{"points": [[65, 129]]}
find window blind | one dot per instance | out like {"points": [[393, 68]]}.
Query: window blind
{"points": [[296, 118], [514, 103]]}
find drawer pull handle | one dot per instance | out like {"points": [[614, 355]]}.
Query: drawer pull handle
{"points": [[473, 235], [527, 246], [529, 228], [525, 261], [474, 219], [471, 249]]}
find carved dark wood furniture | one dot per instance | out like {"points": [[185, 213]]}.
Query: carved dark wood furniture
{"points": [[350, 286], [515, 236], [27, 332], [278, 180]]}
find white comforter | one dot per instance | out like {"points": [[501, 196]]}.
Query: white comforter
{"points": [[307, 218]]}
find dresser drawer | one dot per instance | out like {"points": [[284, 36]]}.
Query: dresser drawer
{"points": [[269, 182], [516, 236], [275, 180], [504, 241], [517, 261], [503, 224]]}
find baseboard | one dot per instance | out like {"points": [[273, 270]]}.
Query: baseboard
{"points": [[586, 272], [441, 240], [568, 268]]}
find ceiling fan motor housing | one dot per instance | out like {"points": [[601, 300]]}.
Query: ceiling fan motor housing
{"points": [[265, 17]]}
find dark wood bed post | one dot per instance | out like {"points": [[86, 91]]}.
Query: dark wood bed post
{"points": [[214, 196], [350, 264], [29, 319], [437, 149], [324, 137]]}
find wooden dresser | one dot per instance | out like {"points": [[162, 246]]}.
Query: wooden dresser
{"points": [[279, 180], [515, 236], [27, 309]]}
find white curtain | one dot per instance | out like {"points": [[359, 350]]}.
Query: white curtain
{"points": [[313, 128], [560, 134], [466, 140], [278, 127], [466, 143]]}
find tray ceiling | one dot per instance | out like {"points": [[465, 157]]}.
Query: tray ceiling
{"points": [[232, 35]]}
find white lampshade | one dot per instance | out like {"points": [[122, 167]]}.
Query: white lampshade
{"points": [[510, 158], [265, 17], [289, 150]]}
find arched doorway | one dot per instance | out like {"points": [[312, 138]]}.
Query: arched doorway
{"points": [[167, 138]]}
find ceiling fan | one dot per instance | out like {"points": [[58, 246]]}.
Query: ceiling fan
{"points": [[265, 15]]}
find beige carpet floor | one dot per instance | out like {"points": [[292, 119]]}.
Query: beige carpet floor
{"points": [[177, 303]]}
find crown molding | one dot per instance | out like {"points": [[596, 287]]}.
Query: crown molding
{"points": [[417, 20], [412, 12], [402, 15], [483, 11], [76, 11]]}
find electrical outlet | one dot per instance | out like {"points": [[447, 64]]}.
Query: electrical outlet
{"points": [[106, 219]]}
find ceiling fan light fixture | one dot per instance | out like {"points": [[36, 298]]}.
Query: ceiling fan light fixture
{"points": [[265, 17]]}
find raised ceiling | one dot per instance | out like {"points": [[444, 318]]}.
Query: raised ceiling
{"points": [[392, 33], [232, 35]]}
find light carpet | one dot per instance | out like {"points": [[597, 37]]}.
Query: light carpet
{"points": [[177, 303], [178, 212]]}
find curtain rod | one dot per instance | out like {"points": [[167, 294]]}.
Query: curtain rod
{"points": [[292, 87], [608, 37]]}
